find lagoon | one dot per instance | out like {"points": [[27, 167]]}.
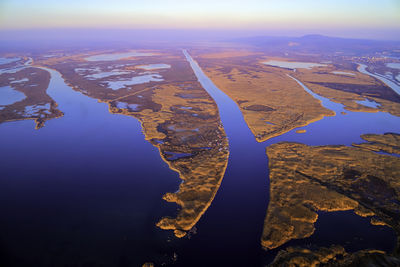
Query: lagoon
{"points": [[154, 66], [117, 56], [7, 60], [293, 65], [121, 83], [9, 95]]}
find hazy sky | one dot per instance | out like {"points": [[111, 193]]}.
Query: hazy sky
{"points": [[326, 15]]}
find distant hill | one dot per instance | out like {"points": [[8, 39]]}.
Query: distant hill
{"points": [[319, 43]]}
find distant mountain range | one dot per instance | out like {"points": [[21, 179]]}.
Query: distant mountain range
{"points": [[320, 43]]}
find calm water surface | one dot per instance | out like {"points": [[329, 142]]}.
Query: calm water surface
{"points": [[117, 56], [9, 96], [229, 233], [341, 129], [87, 189], [395, 87], [293, 65]]}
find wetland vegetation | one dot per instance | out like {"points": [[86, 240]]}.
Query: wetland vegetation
{"points": [[204, 118]]}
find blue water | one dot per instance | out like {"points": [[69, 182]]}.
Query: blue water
{"points": [[117, 56], [85, 190], [15, 67], [293, 65], [123, 105], [6, 60], [9, 96], [20, 81], [341, 129], [368, 103], [325, 102], [393, 65], [175, 156], [35, 109], [395, 87], [121, 83], [343, 73], [230, 231], [154, 66], [105, 74]]}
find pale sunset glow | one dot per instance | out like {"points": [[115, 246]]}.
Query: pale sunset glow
{"points": [[206, 14]]}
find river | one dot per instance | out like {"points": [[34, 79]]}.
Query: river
{"points": [[395, 86], [85, 189], [230, 231]]}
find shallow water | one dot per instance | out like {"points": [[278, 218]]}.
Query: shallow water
{"points": [[20, 81], [325, 102], [341, 129], [7, 60], [10, 96], [368, 103], [33, 110], [101, 75], [395, 87], [293, 65], [154, 66], [121, 83], [11, 70], [343, 73], [117, 56], [175, 155], [393, 65]]}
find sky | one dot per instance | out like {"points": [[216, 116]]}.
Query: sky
{"points": [[380, 18]]}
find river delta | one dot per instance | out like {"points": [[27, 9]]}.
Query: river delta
{"points": [[155, 156]]}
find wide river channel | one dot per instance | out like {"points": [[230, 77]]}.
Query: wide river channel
{"points": [[86, 189]]}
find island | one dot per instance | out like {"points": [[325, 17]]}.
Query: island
{"points": [[307, 179], [261, 82], [23, 94], [177, 115]]}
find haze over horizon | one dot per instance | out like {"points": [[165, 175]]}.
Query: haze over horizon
{"points": [[357, 19]]}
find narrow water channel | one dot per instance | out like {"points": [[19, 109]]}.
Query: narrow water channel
{"points": [[87, 188], [395, 86], [344, 128], [230, 231]]}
